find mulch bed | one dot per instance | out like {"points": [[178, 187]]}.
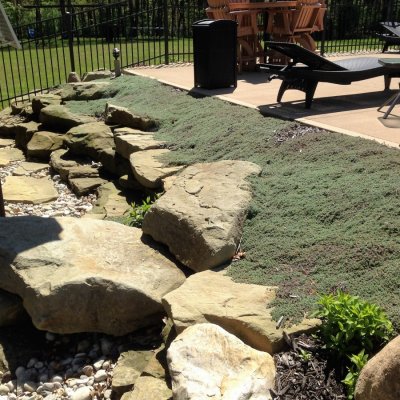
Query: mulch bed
{"points": [[305, 373]]}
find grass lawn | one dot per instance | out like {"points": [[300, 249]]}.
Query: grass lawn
{"points": [[326, 208], [48, 65]]}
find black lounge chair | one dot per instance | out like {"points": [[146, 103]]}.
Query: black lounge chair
{"points": [[392, 38], [315, 69]]}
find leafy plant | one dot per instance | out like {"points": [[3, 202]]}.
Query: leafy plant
{"points": [[304, 355], [358, 361], [138, 211], [351, 325]]}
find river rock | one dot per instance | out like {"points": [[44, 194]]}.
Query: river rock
{"points": [[83, 275], [214, 297], [149, 170], [61, 119], [29, 190], [201, 217], [8, 155], [43, 143], [89, 139], [380, 377], [205, 361], [116, 115]]}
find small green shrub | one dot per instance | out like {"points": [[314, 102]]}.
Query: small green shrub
{"points": [[138, 211], [351, 325], [350, 328], [358, 361]]}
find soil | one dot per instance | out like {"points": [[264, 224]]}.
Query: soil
{"points": [[304, 372]]}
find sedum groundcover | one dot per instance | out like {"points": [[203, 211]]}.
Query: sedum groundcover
{"points": [[326, 208]]}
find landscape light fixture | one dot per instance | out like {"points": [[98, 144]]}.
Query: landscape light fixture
{"points": [[116, 53], [117, 63]]}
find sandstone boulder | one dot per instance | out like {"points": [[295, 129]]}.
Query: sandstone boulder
{"points": [[62, 162], [94, 75], [124, 130], [201, 217], [24, 132], [60, 119], [6, 142], [149, 387], [129, 367], [125, 145], [380, 378], [116, 115], [21, 106], [73, 77], [85, 185], [86, 91], [44, 100], [10, 154], [206, 362], [111, 201], [43, 143], [149, 170], [89, 139], [29, 190], [84, 275], [12, 126], [27, 168], [241, 309]]}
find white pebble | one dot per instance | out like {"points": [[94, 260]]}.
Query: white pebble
{"points": [[11, 385], [4, 389], [30, 387], [39, 365], [100, 375], [83, 393], [97, 365], [12, 396], [107, 394], [106, 365], [49, 386], [87, 370], [57, 378], [43, 377]]}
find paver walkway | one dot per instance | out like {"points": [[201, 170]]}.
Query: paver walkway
{"points": [[349, 109]]}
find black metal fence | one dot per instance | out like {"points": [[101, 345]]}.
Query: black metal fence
{"points": [[150, 32]]}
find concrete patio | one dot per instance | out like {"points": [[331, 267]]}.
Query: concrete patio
{"points": [[348, 109]]}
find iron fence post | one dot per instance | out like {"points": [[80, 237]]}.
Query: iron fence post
{"points": [[2, 210], [70, 40], [166, 32]]}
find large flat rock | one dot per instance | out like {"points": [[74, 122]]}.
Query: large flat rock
{"points": [[27, 168], [29, 190], [241, 309], [201, 217], [149, 170], [43, 143], [83, 275], [6, 142], [10, 154], [61, 119], [206, 362], [125, 145]]}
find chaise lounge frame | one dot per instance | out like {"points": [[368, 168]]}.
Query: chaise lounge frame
{"points": [[392, 39], [315, 69]]}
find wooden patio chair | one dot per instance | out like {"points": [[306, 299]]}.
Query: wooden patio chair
{"points": [[249, 46]]}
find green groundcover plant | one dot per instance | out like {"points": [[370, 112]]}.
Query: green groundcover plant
{"points": [[351, 330]]}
